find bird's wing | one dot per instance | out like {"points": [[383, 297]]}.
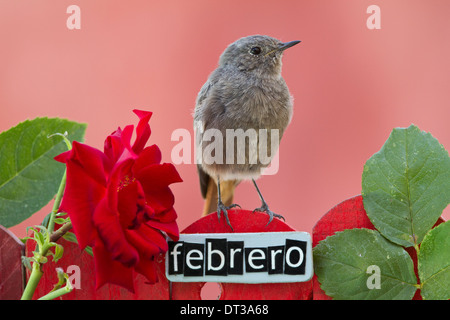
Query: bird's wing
{"points": [[204, 180], [208, 186], [203, 94], [198, 116]]}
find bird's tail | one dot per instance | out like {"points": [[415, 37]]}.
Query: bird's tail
{"points": [[226, 192]]}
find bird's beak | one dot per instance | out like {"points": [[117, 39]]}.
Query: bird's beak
{"points": [[284, 46], [287, 45]]}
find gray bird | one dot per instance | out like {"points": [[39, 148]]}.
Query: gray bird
{"points": [[244, 96]]}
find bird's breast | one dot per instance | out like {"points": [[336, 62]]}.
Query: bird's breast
{"points": [[265, 105]]}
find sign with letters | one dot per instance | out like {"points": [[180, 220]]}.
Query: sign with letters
{"points": [[240, 257]]}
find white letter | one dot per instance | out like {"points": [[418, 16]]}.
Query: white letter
{"points": [[374, 281], [75, 278], [274, 157], [374, 21], [241, 146], [183, 147], [274, 253], [175, 253], [198, 133], [264, 150], [74, 20], [189, 258], [210, 253], [273, 167], [288, 257], [251, 258], [232, 252], [215, 147]]}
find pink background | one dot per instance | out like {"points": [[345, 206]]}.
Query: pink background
{"points": [[351, 85]]}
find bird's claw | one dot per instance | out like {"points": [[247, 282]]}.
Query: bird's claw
{"points": [[265, 208], [222, 208]]}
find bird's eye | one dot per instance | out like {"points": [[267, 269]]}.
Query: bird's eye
{"points": [[255, 50]]}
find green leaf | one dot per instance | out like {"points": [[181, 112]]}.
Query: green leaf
{"points": [[70, 236], [46, 220], [39, 237], [406, 185], [61, 220], [59, 251], [88, 250], [26, 262], [29, 176], [434, 263], [346, 265]]}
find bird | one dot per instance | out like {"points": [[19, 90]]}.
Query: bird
{"points": [[244, 96]]}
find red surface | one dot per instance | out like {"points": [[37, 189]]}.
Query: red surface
{"points": [[243, 221], [11, 274]]}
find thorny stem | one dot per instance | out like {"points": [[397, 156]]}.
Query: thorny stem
{"points": [[57, 293], [35, 277], [60, 232], [36, 273], [56, 204]]}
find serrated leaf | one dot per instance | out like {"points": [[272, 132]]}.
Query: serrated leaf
{"points": [[406, 185], [434, 263], [61, 220], [39, 237], [46, 220], [62, 279], [26, 262], [89, 251], [29, 176], [342, 263], [70, 236], [59, 251]]}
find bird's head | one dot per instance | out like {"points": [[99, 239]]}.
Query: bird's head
{"points": [[258, 54]]}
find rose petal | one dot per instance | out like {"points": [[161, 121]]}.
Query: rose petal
{"points": [[121, 204], [147, 268], [85, 188], [171, 228], [153, 235], [166, 216], [113, 147], [126, 141], [150, 155], [131, 204], [123, 193], [143, 130], [93, 161], [146, 246], [157, 176], [160, 200], [112, 234], [109, 271], [81, 197]]}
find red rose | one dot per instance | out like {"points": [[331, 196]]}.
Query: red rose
{"points": [[120, 203]]}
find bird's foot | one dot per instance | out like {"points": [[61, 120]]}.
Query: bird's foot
{"points": [[222, 208], [265, 208]]}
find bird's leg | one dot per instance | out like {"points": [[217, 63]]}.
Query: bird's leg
{"points": [[221, 207], [264, 207]]}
